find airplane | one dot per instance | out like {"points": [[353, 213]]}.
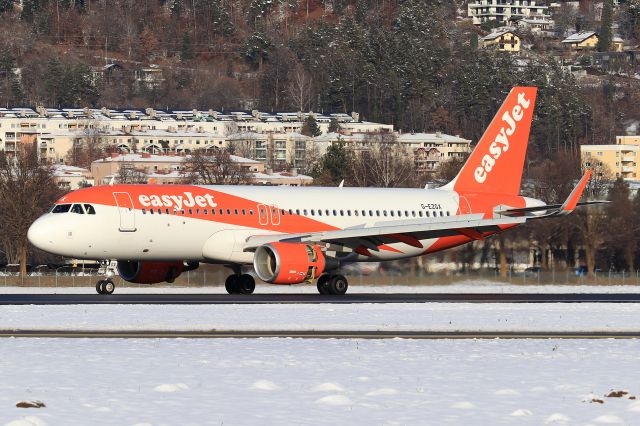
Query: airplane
{"points": [[293, 235]]}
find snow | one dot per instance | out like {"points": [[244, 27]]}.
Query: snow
{"points": [[324, 382]]}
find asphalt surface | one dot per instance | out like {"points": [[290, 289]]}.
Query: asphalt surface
{"points": [[218, 299], [315, 334]]}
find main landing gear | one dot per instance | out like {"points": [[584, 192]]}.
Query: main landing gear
{"points": [[332, 284], [105, 286], [240, 284]]}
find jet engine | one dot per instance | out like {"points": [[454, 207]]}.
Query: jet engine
{"points": [[152, 272], [290, 263]]}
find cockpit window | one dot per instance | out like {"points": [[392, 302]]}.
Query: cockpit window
{"points": [[61, 208], [77, 208], [89, 208]]}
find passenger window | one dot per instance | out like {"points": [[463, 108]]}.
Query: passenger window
{"points": [[166, 211], [378, 213], [228, 211], [61, 208], [250, 212], [221, 211], [144, 211], [413, 213], [244, 212], [89, 209], [406, 213], [448, 214], [159, 211], [282, 212], [290, 211], [420, 213], [391, 212], [319, 212], [313, 212], [182, 211], [328, 212], [77, 208], [341, 212], [335, 213], [305, 212], [355, 212], [151, 211], [190, 211], [235, 211], [384, 213], [427, 214], [441, 213], [370, 212], [298, 211]]}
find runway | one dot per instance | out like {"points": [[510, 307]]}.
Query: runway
{"points": [[222, 299], [314, 334]]}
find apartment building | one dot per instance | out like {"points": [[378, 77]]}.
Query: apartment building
{"points": [[621, 158], [57, 131], [506, 11]]}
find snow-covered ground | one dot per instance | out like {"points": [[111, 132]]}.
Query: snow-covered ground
{"points": [[324, 382], [367, 317]]}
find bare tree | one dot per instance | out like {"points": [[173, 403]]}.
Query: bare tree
{"points": [[300, 88], [27, 190], [383, 162], [217, 168], [129, 174], [89, 147]]}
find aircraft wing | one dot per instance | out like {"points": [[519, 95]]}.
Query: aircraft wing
{"points": [[409, 232]]}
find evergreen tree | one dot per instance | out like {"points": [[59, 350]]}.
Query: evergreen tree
{"points": [[256, 48], [29, 9], [186, 53], [310, 127], [605, 37], [6, 6], [334, 164], [334, 126]]}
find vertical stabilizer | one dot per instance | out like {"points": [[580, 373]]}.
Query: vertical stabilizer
{"points": [[496, 163]]}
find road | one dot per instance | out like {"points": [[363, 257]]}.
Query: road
{"points": [[315, 334], [217, 299]]}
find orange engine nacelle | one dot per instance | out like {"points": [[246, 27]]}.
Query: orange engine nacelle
{"points": [[149, 272], [288, 263]]}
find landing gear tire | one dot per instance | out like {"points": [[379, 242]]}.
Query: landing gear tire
{"points": [[105, 286], [99, 286], [323, 284], [246, 284], [338, 285], [108, 287], [232, 284]]}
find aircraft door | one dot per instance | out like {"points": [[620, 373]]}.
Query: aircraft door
{"points": [[275, 216], [263, 214], [126, 211]]}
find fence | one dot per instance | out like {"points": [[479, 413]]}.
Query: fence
{"points": [[204, 277]]}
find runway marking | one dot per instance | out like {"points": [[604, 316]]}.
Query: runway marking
{"points": [[314, 334], [256, 299]]}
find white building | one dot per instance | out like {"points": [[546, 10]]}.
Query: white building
{"points": [[506, 11]]}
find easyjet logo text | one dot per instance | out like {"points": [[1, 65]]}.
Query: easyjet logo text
{"points": [[500, 143], [178, 201]]}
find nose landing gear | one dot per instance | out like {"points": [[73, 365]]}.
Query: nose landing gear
{"points": [[107, 269]]}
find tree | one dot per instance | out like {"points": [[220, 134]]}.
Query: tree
{"points": [[6, 6], [605, 37], [310, 126], [621, 237], [128, 174], [383, 163], [89, 147], [334, 165], [27, 190], [186, 53], [214, 168], [334, 125], [256, 48], [299, 88]]}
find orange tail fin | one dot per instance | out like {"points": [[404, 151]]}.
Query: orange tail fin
{"points": [[496, 163]]}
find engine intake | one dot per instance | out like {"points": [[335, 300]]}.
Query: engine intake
{"points": [[289, 263], [152, 272]]}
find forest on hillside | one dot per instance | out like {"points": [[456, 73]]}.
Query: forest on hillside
{"points": [[409, 63]]}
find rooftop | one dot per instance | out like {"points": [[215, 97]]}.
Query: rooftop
{"points": [[578, 37]]}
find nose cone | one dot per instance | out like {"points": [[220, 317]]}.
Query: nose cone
{"points": [[40, 234]]}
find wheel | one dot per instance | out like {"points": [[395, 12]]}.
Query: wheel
{"points": [[232, 284], [323, 284], [338, 285], [246, 284], [108, 286], [99, 286]]}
